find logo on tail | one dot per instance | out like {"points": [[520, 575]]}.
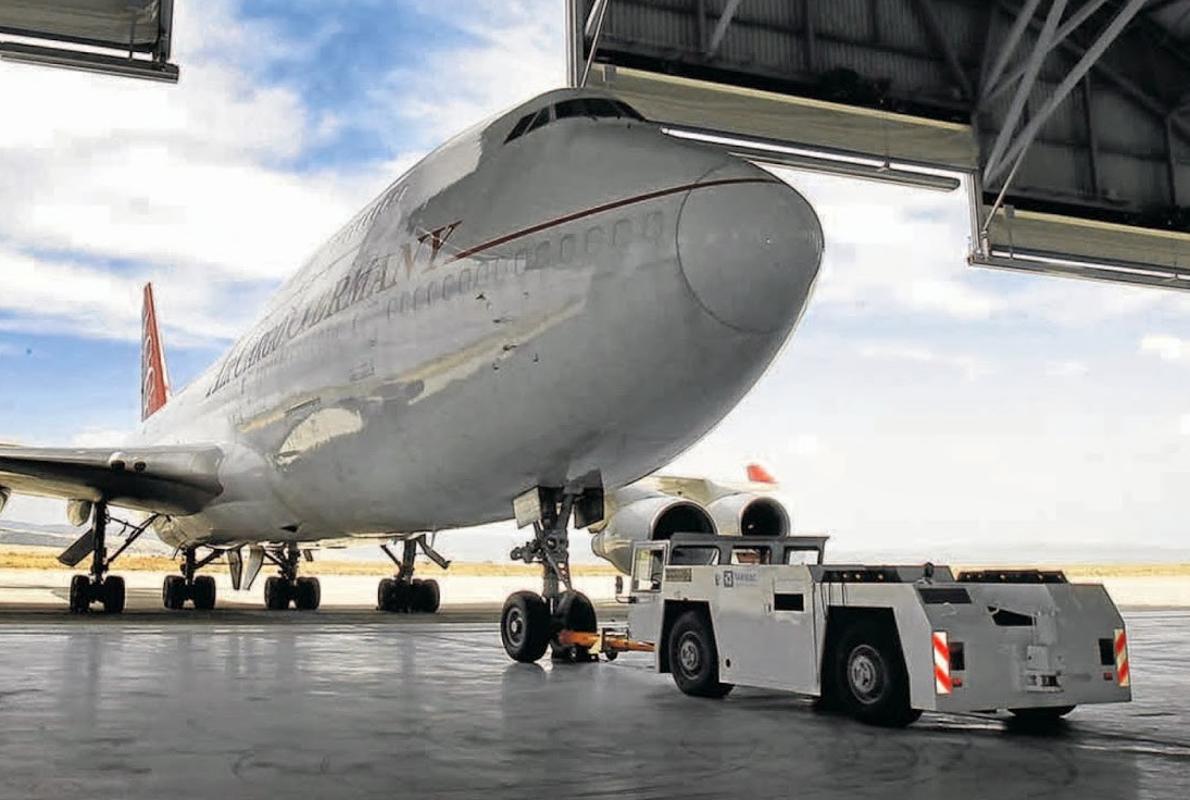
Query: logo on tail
{"points": [[154, 389]]}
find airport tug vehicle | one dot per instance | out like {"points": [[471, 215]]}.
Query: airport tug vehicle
{"points": [[883, 643]]}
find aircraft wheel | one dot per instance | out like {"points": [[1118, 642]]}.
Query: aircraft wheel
{"points": [[384, 595], [307, 594], [276, 593], [525, 627], [173, 592], [870, 676], [80, 594], [694, 658], [113, 595], [204, 592], [575, 612], [428, 597]]}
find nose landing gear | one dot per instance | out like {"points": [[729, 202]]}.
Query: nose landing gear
{"points": [[403, 592], [530, 623]]}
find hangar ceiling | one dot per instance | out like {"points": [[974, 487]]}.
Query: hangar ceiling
{"points": [[1071, 116], [129, 38]]}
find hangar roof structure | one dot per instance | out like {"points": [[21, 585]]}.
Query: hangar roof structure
{"points": [[128, 38], [1071, 117]]}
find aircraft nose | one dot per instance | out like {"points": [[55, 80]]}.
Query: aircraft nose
{"points": [[750, 249]]}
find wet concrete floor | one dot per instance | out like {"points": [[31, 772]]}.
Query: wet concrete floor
{"points": [[357, 704]]}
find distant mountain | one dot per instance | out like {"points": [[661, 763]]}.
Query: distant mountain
{"points": [[59, 537]]}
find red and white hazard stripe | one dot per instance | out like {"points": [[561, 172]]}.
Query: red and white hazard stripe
{"points": [[1123, 676], [942, 681]]}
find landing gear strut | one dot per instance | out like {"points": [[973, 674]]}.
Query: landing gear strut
{"points": [[281, 590], [403, 592], [200, 589], [98, 586], [530, 623]]}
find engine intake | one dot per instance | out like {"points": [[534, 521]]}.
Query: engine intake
{"points": [[749, 515], [651, 518]]}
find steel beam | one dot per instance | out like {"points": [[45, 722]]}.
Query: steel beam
{"points": [[810, 34], [1068, 27], [1171, 162], [1010, 42], [925, 10], [1032, 68], [1092, 135], [721, 28], [1092, 55]]}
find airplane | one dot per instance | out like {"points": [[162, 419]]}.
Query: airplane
{"points": [[546, 309]]}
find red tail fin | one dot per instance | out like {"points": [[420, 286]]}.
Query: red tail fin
{"points": [[758, 474], [154, 381]]}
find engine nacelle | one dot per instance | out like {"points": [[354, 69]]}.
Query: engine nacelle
{"points": [[78, 512], [749, 515], [649, 518]]}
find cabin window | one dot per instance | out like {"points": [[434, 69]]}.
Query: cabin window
{"points": [[622, 233], [541, 256], [749, 555], [653, 226], [420, 298], [450, 285], [566, 254], [595, 237], [541, 119], [465, 281], [485, 271]]}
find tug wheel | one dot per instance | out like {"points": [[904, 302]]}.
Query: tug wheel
{"points": [[694, 658], [870, 676]]}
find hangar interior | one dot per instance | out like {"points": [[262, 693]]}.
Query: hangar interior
{"points": [[128, 38], [1070, 117]]}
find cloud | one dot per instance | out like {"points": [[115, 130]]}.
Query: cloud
{"points": [[1167, 348], [1067, 369], [971, 366]]}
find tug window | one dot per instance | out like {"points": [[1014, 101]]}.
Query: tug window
{"points": [[520, 128]]}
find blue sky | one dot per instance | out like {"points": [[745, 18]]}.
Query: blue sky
{"points": [[922, 404]]}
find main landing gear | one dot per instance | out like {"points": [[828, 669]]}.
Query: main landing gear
{"points": [[403, 592], [98, 586], [198, 589], [530, 622], [280, 590]]}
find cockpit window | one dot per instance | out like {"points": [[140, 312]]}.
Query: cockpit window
{"points": [[520, 127], [592, 107]]}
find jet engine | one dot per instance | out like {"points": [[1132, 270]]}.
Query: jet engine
{"points": [[747, 514], [645, 517]]}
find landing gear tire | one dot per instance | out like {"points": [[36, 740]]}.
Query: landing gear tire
{"points": [[276, 594], [694, 658], [173, 592], [425, 596], [113, 595], [575, 612], [525, 627], [870, 677], [307, 594], [204, 593], [384, 594], [80, 594]]}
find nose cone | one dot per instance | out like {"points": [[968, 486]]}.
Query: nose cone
{"points": [[750, 248]]}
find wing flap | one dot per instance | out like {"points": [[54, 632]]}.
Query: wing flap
{"points": [[167, 480]]}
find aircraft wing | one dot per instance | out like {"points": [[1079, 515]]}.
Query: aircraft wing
{"points": [[166, 480]]}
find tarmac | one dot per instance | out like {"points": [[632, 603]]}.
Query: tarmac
{"points": [[349, 702]]}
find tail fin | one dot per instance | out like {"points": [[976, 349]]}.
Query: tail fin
{"points": [[154, 380], [758, 474]]}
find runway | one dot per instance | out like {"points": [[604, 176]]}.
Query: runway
{"points": [[351, 703]]}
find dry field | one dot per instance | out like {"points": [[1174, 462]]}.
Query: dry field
{"points": [[14, 557]]}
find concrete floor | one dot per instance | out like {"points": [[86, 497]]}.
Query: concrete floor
{"points": [[354, 704]]}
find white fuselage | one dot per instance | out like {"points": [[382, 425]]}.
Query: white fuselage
{"points": [[575, 306]]}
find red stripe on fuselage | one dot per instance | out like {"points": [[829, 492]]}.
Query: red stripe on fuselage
{"points": [[641, 198]]}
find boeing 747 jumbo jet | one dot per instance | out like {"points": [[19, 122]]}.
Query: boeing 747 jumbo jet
{"points": [[545, 310]]}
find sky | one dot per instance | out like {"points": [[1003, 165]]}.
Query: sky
{"points": [[922, 405]]}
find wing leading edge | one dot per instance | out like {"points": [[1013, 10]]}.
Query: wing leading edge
{"points": [[178, 481]]}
